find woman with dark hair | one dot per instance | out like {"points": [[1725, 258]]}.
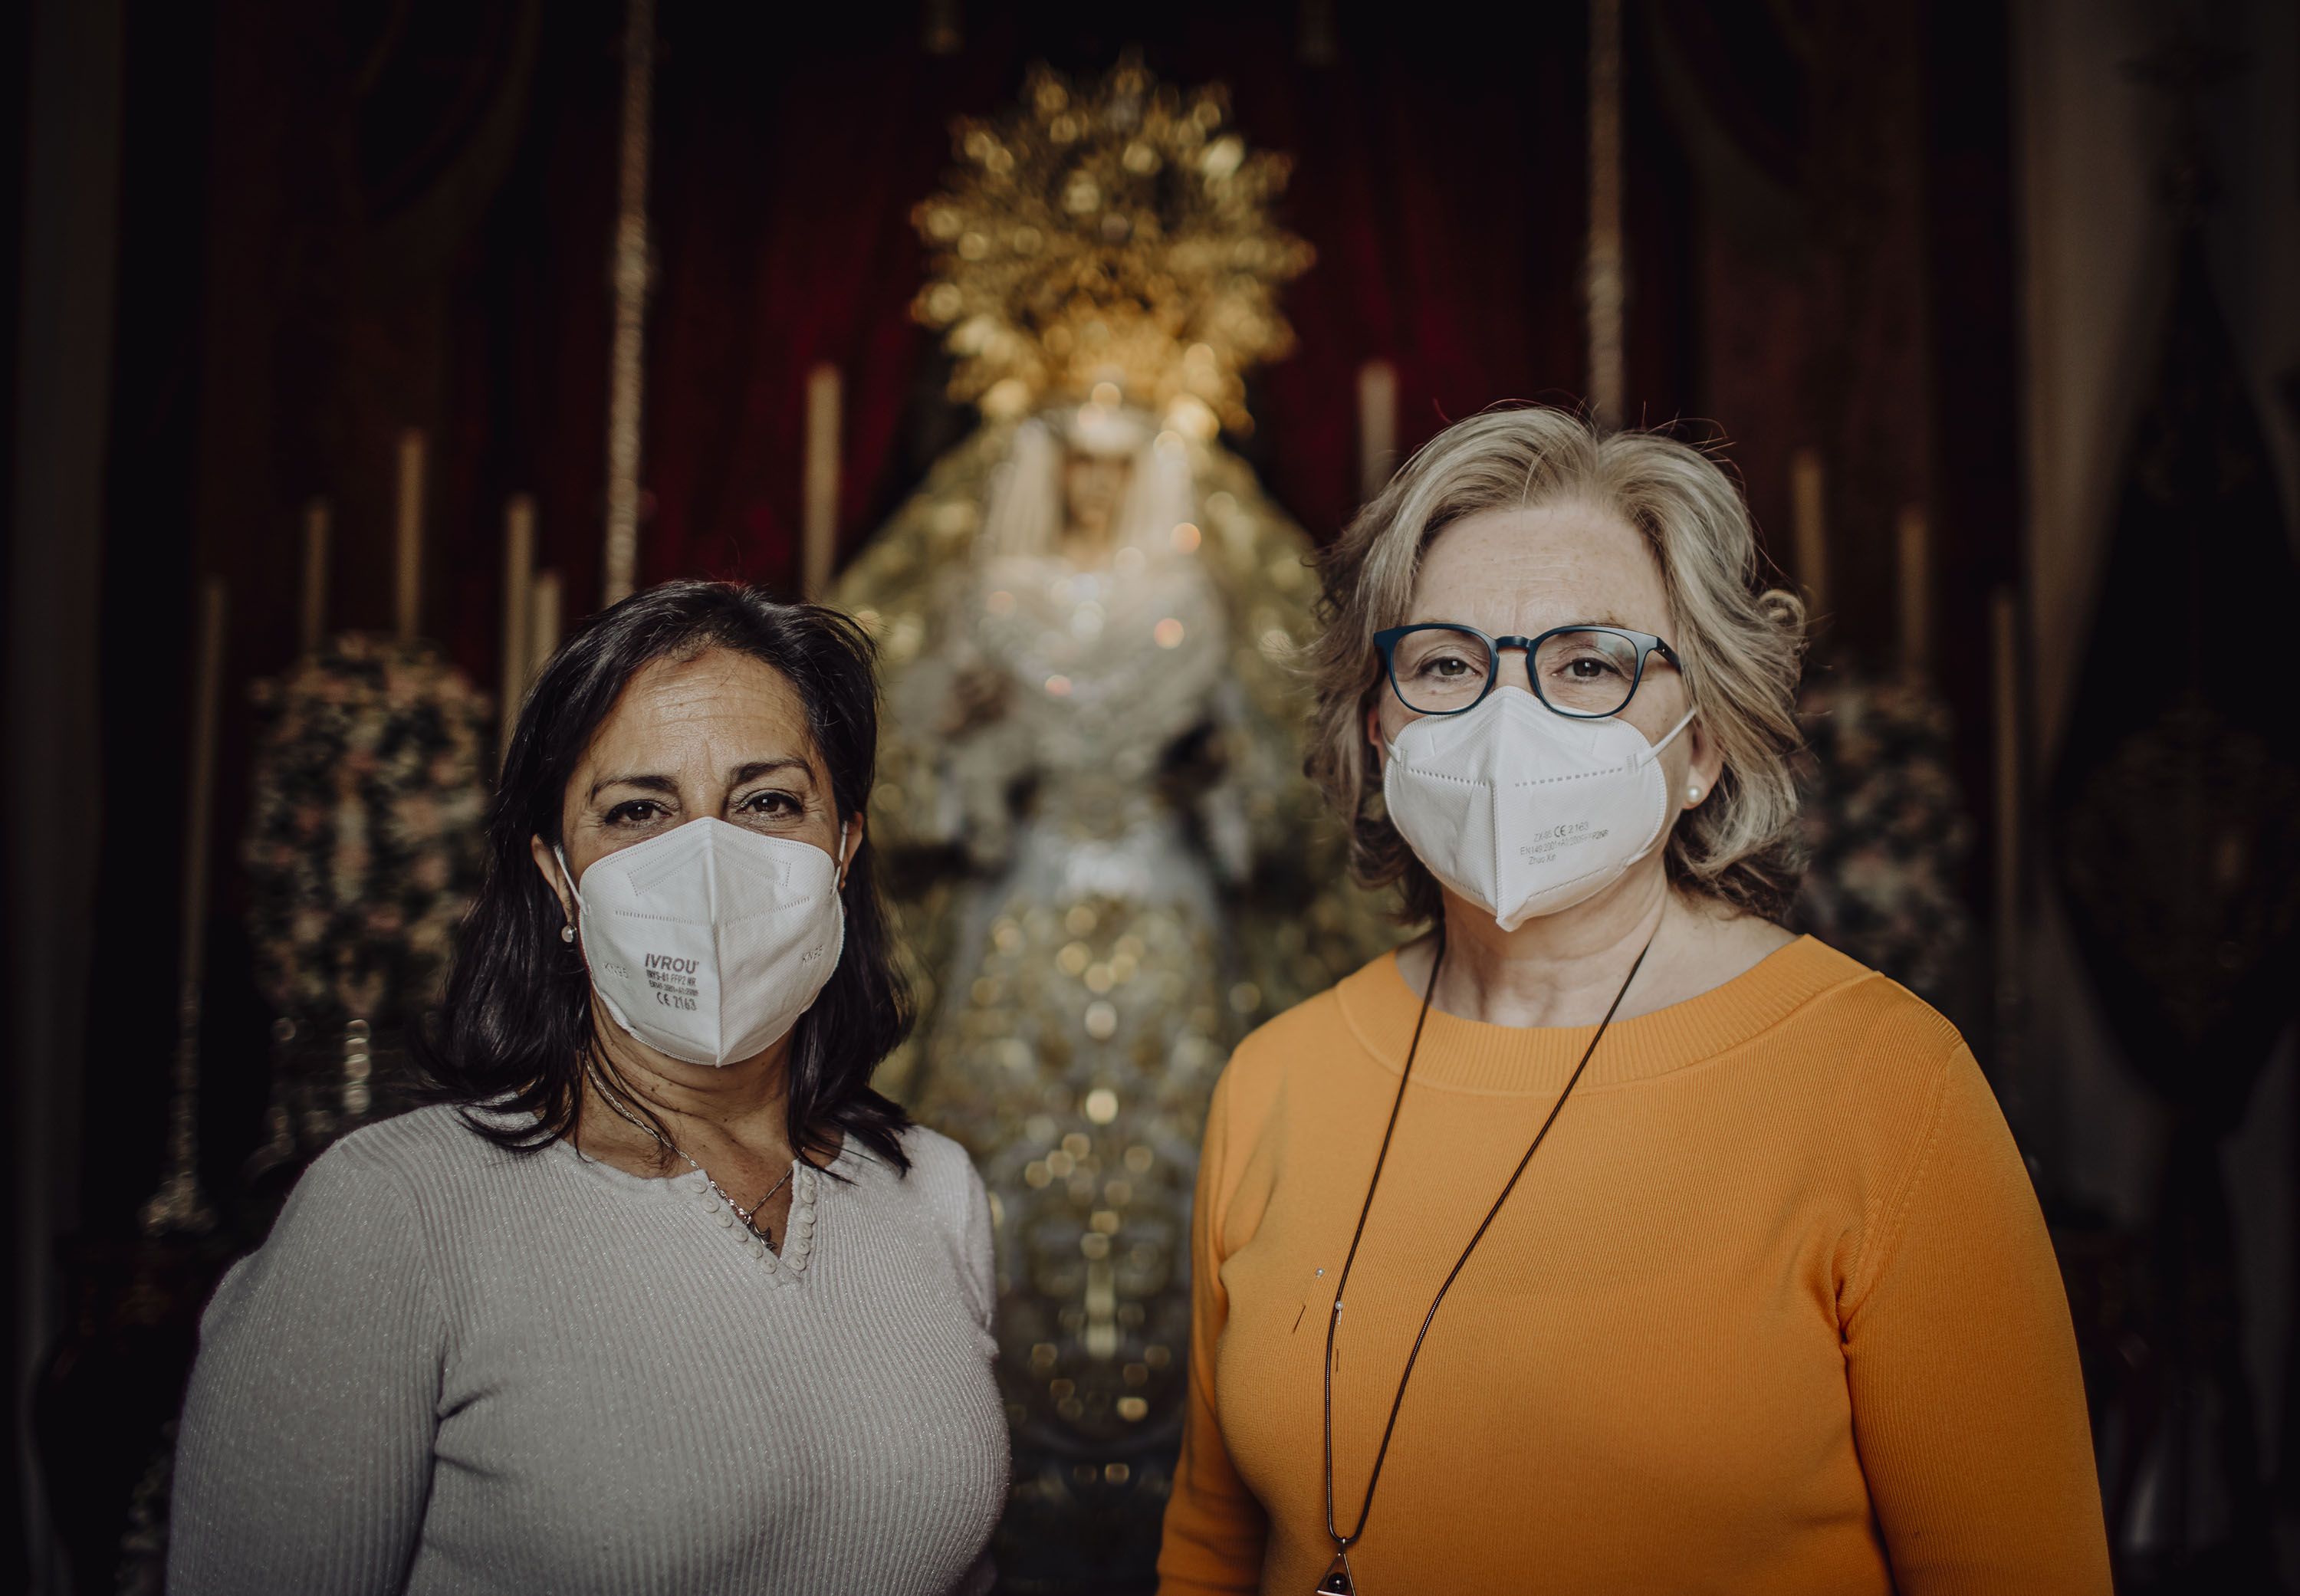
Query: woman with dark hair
{"points": [[662, 1297]]}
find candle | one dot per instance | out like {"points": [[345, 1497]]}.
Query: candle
{"points": [[1377, 425], [1810, 522], [519, 581], [1916, 594], [314, 619], [543, 622], [820, 523], [410, 586]]}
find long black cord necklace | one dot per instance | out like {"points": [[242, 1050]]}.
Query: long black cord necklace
{"points": [[1337, 1581]]}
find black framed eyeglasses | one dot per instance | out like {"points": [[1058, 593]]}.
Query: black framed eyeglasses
{"points": [[1588, 672]]}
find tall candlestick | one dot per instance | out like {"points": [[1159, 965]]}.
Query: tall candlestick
{"points": [[313, 627], [2006, 668], [207, 692], [410, 544], [820, 519], [625, 369], [1916, 594], [1377, 426], [543, 622], [2005, 656], [179, 1205], [1809, 511], [1605, 292], [518, 582]]}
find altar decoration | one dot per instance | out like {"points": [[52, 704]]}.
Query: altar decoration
{"points": [[362, 853], [1886, 829]]}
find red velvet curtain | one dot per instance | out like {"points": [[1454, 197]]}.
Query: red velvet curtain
{"points": [[784, 180], [1445, 189]]}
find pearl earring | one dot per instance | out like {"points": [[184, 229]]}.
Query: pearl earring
{"points": [[1693, 794], [567, 933]]}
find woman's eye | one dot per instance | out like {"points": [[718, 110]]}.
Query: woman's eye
{"points": [[636, 811], [1590, 667], [1445, 666], [772, 804]]}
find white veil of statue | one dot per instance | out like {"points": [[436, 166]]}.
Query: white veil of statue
{"points": [[1105, 859]]}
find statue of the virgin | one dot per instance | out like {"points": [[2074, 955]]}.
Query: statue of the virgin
{"points": [[1106, 860]]}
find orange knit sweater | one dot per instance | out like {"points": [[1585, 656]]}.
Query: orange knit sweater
{"points": [[1773, 1309]]}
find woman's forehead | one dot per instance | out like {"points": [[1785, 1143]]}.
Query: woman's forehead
{"points": [[1523, 570], [719, 707]]}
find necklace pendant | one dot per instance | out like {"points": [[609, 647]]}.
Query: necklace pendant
{"points": [[1337, 1581]]}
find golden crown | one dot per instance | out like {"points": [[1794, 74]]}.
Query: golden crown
{"points": [[1117, 232]]}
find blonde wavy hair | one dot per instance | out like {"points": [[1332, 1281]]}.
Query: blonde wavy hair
{"points": [[1740, 644]]}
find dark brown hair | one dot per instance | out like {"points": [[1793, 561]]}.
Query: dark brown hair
{"points": [[516, 1027]]}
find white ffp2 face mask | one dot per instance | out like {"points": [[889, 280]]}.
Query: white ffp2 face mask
{"points": [[709, 941], [1523, 811]]}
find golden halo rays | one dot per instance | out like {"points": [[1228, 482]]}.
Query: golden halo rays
{"points": [[1118, 231]]}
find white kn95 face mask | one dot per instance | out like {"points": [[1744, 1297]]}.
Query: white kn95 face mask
{"points": [[1523, 811], [708, 942]]}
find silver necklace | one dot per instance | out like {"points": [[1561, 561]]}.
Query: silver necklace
{"points": [[745, 1215]]}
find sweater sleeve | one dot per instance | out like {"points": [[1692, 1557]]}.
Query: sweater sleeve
{"points": [[304, 1457], [1968, 1405], [980, 1254], [1215, 1528]]}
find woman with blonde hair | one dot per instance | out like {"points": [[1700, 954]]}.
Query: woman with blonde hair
{"points": [[1678, 1253]]}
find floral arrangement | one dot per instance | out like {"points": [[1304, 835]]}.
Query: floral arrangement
{"points": [[1886, 827], [364, 848]]}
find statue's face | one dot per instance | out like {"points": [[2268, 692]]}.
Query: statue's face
{"points": [[1092, 486]]}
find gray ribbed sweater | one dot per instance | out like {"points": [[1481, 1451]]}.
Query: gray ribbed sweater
{"points": [[455, 1369]]}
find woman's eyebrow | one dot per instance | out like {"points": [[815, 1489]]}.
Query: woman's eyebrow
{"points": [[646, 784], [758, 768]]}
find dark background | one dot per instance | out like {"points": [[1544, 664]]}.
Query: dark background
{"points": [[323, 222]]}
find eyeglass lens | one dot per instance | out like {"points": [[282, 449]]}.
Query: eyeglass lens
{"points": [[1440, 670]]}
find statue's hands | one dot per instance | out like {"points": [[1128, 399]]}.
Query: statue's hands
{"points": [[1230, 835]]}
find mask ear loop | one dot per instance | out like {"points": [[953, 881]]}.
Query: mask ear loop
{"points": [[1655, 751], [566, 933]]}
